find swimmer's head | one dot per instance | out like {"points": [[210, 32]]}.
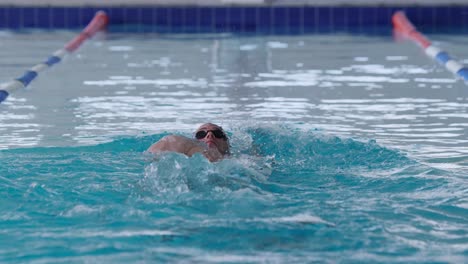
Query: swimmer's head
{"points": [[214, 137]]}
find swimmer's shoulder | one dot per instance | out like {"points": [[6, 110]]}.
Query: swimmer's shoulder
{"points": [[175, 143]]}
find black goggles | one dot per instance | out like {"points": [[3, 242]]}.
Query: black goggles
{"points": [[217, 133]]}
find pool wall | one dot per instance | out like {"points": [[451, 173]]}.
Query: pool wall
{"points": [[266, 16]]}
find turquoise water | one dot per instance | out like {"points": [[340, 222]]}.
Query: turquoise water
{"points": [[303, 196], [345, 149]]}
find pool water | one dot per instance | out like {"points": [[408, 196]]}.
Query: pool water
{"points": [[346, 148]]}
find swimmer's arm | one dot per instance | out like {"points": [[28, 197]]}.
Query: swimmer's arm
{"points": [[174, 143], [184, 145]]}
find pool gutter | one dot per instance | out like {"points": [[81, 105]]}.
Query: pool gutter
{"points": [[133, 3], [244, 16]]}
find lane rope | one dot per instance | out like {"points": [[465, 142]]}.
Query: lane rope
{"points": [[98, 23], [405, 29]]}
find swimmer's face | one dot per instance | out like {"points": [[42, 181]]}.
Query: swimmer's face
{"points": [[213, 136]]}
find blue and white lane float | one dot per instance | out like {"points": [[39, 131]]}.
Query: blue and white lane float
{"points": [[99, 22], [403, 28]]}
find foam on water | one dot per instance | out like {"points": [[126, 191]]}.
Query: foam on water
{"points": [[286, 193]]}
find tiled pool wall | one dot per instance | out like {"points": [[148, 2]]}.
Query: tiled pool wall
{"points": [[273, 17]]}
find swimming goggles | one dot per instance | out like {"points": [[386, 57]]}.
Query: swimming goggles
{"points": [[217, 133]]}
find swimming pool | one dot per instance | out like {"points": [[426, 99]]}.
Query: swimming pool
{"points": [[347, 148]]}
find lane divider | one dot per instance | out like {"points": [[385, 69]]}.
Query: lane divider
{"points": [[98, 23], [404, 28]]}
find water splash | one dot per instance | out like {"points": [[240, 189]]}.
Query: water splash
{"points": [[285, 189]]}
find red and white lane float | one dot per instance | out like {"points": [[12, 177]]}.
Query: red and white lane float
{"points": [[98, 23], [405, 29]]}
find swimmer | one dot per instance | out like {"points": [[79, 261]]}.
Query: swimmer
{"points": [[210, 140]]}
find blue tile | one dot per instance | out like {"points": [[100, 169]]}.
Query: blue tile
{"points": [[383, 17], [250, 19], [295, 20], [190, 23], [236, 19], [235, 15], [414, 15], [220, 16], [12, 15], [176, 16], [265, 19], [455, 17], [232, 19], [2, 18], [162, 16], [366, 16], [442, 16], [352, 17], [340, 18], [323, 19], [309, 17], [146, 16], [295, 16], [280, 16], [70, 18], [57, 18], [131, 15], [464, 18], [206, 18], [28, 17]]}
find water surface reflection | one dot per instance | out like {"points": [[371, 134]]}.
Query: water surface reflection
{"points": [[370, 88]]}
